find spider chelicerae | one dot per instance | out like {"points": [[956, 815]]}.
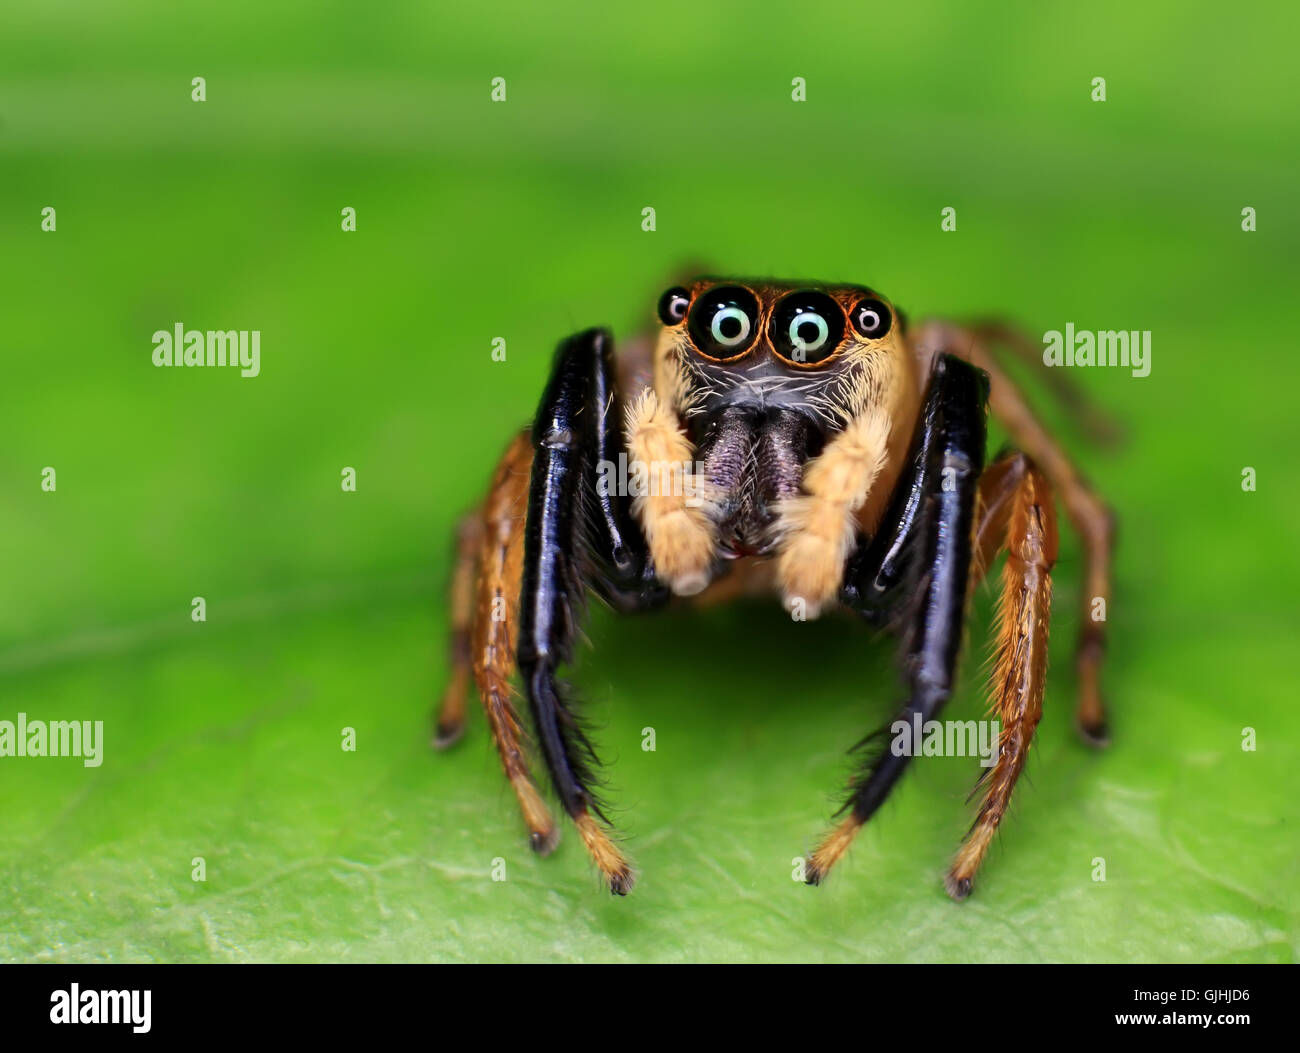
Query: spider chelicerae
{"points": [[832, 456]]}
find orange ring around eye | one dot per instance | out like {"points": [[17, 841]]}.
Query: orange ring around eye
{"points": [[705, 328], [814, 306]]}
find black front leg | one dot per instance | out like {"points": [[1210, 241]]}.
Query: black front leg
{"points": [[915, 572], [575, 536], [616, 554]]}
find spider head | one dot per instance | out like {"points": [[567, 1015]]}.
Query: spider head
{"points": [[762, 373], [806, 347]]}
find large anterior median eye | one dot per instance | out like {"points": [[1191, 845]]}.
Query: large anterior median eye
{"points": [[723, 322], [807, 327]]}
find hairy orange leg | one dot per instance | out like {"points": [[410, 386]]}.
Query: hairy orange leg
{"points": [[491, 620], [1018, 514], [1089, 515]]}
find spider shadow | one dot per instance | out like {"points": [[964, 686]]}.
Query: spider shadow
{"points": [[750, 650]]}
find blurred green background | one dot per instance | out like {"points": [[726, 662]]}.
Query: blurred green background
{"points": [[522, 220]]}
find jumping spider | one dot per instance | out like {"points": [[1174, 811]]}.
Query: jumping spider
{"points": [[839, 457]]}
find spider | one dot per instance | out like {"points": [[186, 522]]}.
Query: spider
{"points": [[834, 457]]}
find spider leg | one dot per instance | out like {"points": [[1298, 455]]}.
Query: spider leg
{"points": [[450, 725], [1091, 418], [576, 535], [919, 563], [1017, 512], [1090, 516], [488, 643]]}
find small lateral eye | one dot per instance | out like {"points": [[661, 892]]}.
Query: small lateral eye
{"points": [[871, 318], [724, 322], [806, 327], [672, 306]]}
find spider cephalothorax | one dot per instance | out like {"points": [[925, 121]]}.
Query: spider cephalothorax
{"points": [[798, 440], [761, 376]]}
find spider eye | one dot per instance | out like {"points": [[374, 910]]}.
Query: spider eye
{"points": [[672, 306], [724, 321], [807, 327], [871, 318]]}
